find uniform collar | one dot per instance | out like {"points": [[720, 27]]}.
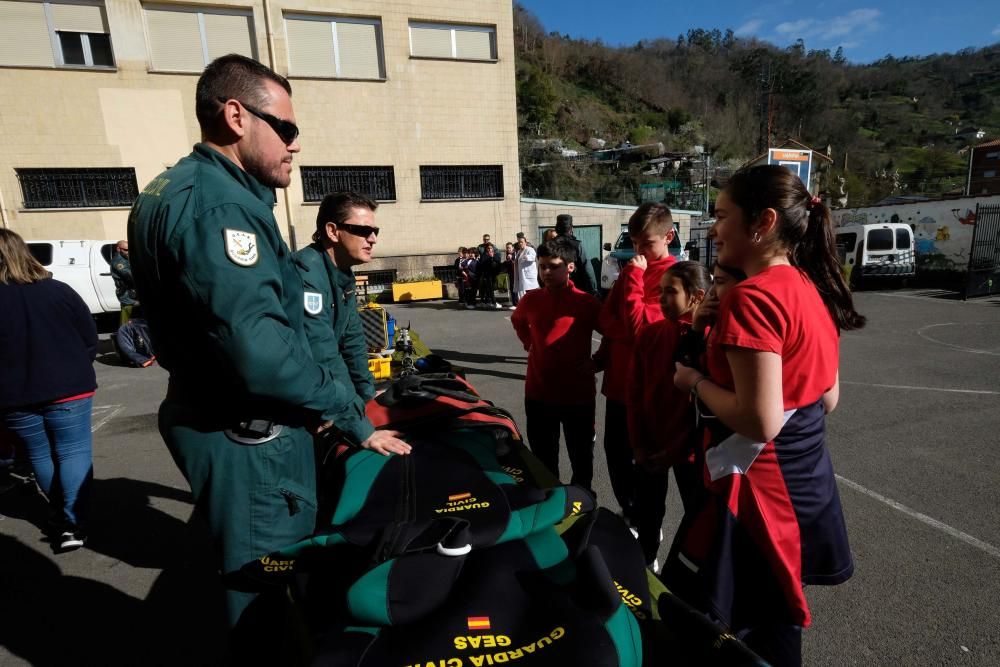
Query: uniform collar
{"points": [[203, 153], [344, 278]]}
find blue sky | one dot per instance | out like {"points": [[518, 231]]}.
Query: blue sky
{"points": [[867, 30]]}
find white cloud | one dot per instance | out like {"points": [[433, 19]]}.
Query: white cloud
{"points": [[795, 28], [855, 22], [752, 26], [863, 20], [996, 31]]}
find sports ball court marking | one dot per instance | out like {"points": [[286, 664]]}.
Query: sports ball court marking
{"points": [[923, 518], [115, 409], [922, 332], [906, 386]]}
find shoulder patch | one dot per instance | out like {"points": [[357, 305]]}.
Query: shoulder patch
{"points": [[241, 247], [313, 302]]}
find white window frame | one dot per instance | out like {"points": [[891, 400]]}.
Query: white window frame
{"points": [[333, 20], [88, 57], [453, 27], [200, 11]]}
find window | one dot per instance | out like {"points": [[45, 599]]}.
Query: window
{"points": [[50, 34], [334, 47], [461, 182], [902, 239], [378, 183], [458, 42], [990, 173], [42, 252], [880, 239], [993, 155], [847, 240], [78, 188], [185, 39]]}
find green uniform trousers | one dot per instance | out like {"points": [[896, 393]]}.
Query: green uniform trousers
{"points": [[256, 498]]}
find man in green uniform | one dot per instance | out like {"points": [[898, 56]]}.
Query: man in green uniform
{"points": [[224, 303], [345, 235], [121, 273]]}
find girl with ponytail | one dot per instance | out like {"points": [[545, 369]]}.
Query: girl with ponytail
{"points": [[773, 519]]}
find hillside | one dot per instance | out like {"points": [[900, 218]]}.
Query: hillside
{"points": [[892, 127]]}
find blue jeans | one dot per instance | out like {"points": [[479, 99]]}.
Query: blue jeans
{"points": [[58, 440]]}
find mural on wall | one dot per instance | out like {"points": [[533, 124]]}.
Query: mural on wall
{"points": [[941, 244]]}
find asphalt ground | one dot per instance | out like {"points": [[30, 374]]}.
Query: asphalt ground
{"points": [[914, 442]]}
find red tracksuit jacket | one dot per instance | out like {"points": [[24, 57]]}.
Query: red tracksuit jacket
{"points": [[633, 303]]}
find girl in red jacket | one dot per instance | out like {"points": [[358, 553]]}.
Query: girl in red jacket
{"points": [[661, 417]]}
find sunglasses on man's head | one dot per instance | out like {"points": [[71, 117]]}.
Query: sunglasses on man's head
{"points": [[286, 130], [363, 231]]}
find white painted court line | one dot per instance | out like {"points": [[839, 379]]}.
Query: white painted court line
{"points": [[923, 518], [906, 386], [108, 417], [971, 350]]}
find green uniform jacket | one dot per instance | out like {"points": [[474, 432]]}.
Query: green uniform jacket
{"points": [[224, 299], [334, 329], [121, 273]]}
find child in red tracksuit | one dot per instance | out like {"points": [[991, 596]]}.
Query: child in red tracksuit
{"points": [[556, 325], [661, 418], [633, 303]]}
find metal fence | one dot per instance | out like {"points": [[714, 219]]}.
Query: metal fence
{"points": [[984, 256], [78, 188]]}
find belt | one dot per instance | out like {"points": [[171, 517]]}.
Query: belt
{"points": [[254, 432]]}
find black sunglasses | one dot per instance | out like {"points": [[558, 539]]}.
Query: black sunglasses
{"points": [[363, 231], [286, 130]]}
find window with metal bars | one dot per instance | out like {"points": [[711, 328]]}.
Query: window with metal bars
{"points": [[479, 182], [78, 188], [378, 280], [446, 273], [378, 183]]}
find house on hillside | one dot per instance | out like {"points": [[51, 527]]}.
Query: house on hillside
{"points": [[984, 169], [970, 133]]}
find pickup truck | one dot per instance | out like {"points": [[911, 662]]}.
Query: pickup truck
{"points": [[83, 265]]}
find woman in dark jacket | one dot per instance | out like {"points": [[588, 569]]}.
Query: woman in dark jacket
{"points": [[48, 342]]}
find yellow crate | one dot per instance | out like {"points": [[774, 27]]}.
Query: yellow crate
{"points": [[379, 367]]}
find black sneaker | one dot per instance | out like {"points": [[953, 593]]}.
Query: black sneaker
{"points": [[71, 539]]}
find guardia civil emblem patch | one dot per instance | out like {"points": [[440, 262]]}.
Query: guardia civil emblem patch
{"points": [[314, 302], [241, 247]]}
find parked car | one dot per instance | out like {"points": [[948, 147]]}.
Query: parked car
{"points": [[83, 265], [880, 251], [623, 250]]}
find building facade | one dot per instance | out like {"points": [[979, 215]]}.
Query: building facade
{"points": [[410, 102], [984, 169]]}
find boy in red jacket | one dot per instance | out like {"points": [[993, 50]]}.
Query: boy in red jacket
{"points": [[556, 325], [633, 303]]}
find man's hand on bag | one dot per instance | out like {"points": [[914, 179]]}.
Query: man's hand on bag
{"points": [[385, 443]]}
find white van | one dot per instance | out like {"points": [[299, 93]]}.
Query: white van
{"points": [[878, 251], [83, 265]]}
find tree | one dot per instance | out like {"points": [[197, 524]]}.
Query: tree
{"points": [[838, 56], [536, 100]]}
